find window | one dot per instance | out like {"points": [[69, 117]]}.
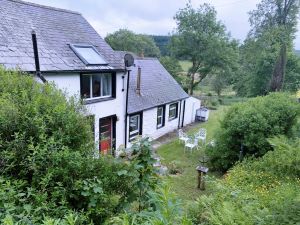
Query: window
{"points": [[173, 111], [96, 86], [134, 126], [160, 116], [88, 54]]}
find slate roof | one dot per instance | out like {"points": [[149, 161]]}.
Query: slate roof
{"points": [[158, 87], [55, 29]]}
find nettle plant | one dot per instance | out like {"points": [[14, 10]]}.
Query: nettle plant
{"points": [[142, 170]]}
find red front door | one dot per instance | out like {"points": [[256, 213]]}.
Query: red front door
{"points": [[106, 132]]}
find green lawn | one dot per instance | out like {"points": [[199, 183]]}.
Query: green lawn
{"points": [[185, 64], [185, 185]]}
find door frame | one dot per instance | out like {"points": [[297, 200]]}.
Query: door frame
{"points": [[113, 133]]}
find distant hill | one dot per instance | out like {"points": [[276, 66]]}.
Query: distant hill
{"points": [[162, 43], [297, 52]]}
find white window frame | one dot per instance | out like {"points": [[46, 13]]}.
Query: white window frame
{"points": [[101, 83], [135, 132], [173, 107], [160, 116]]}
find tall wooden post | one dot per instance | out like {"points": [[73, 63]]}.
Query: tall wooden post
{"points": [[201, 173]]}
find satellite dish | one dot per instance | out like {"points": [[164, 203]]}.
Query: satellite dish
{"points": [[129, 60]]}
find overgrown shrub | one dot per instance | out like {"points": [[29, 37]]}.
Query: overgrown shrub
{"points": [[36, 117], [142, 171], [165, 209], [247, 126], [257, 191], [46, 158], [174, 168]]}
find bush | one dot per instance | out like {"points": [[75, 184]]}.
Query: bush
{"points": [[166, 209], [46, 158], [257, 191], [248, 125], [36, 117], [174, 168]]}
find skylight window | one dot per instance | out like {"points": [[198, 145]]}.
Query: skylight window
{"points": [[88, 54]]}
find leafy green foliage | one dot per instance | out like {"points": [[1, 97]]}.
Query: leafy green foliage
{"points": [[257, 59], [268, 62], [278, 18], [165, 210], [292, 76], [257, 191], [46, 158], [218, 83], [249, 125], [125, 40], [202, 39], [143, 172], [162, 42], [173, 67]]}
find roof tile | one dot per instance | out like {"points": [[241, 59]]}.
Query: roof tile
{"points": [[158, 87], [56, 29]]}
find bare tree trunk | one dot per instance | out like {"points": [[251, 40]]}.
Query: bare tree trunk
{"points": [[192, 83], [279, 70]]}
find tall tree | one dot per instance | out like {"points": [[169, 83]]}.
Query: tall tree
{"points": [[173, 67], [162, 42], [279, 18], [125, 40], [201, 38], [257, 59]]}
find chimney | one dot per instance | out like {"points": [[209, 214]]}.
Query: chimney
{"points": [[138, 81], [36, 57]]}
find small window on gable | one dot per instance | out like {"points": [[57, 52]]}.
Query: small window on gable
{"points": [[135, 124], [88, 54], [160, 117], [173, 111]]}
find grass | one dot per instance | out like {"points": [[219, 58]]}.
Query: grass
{"points": [[185, 64], [185, 184]]}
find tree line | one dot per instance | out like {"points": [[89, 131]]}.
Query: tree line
{"points": [[265, 62]]}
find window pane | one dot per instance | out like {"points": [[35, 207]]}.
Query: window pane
{"points": [[106, 85], [89, 55], [159, 121], [160, 116], [85, 87], [160, 111], [134, 123], [96, 82], [173, 111]]}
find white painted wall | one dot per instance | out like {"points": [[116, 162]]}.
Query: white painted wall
{"points": [[70, 84], [150, 116], [149, 123], [191, 105]]}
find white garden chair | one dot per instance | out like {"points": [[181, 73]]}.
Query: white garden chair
{"points": [[201, 135], [191, 144], [182, 136]]}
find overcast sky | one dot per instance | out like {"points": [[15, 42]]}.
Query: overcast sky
{"points": [[155, 16]]}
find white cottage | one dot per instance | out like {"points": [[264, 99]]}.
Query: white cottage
{"points": [[71, 54], [156, 102]]}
